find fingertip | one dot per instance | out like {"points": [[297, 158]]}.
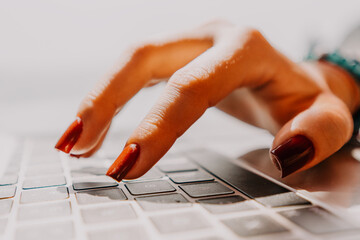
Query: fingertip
{"points": [[292, 155], [124, 162], [70, 136]]}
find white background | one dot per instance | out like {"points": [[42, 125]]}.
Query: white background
{"points": [[53, 52]]}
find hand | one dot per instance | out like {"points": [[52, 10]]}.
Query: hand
{"points": [[308, 106]]}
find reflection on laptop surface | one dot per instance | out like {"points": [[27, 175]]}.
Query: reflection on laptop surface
{"points": [[197, 194]]}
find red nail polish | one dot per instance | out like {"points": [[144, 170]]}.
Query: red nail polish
{"points": [[124, 162], [70, 137], [292, 154]]}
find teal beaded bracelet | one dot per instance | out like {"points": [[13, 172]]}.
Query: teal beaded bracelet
{"points": [[352, 66]]}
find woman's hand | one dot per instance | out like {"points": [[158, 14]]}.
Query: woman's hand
{"points": [[307, 106]]}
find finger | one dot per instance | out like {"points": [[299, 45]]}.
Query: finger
{"points": [[155, 59], [94, 149], [189, 92], [313, 135]]}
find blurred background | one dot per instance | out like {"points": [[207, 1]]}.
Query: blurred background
{"points": [[53, 52]]}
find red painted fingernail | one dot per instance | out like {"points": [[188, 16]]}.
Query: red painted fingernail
{"points": [[292, 154], [124, 162], [70, 137]]}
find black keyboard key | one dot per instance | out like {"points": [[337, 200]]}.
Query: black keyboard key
{"points": [[149, 187], [94, 183], [179, 222], [5, 206], [44, 211], [44, 194], [161, 202], [100, 196], [283, 200], [123, 233], [226, 204], [251, 226], [241, 179], [53, 231], [9, 179], [104, 214], [177, 167], [189, 177], [7, 191], [198, 190], [317, 220], [42, 182]]}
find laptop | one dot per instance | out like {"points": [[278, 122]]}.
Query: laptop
{"points": [[191, 193]]}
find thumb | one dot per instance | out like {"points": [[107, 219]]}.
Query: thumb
{"points": [[312, 135]]}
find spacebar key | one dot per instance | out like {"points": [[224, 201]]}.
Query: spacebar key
{"points": [[239, 178]]}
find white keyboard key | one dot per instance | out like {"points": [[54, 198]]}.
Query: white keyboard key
{"points": [[7, 191], [42, 182], [44, 211], [47, 231], [44, 194], [108, 214]]}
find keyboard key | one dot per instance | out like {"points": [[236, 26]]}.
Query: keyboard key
{"points": [[44, 170], [3, 223], [177, 167], [317, 220], [149, 187], [161, 202], [251, 226], [93, 183], [189, 177], [179, 222], [100, 196], [46, 231], [12, 169], [205, 189], [123, 212], [283, 200], [88, 171], [44, 211], [7, 191], [226, 204], [9, 179], [45, 158], [120, 233], [239, 178], [42, 182], [5, 206], [44, 194], [152, 174]]}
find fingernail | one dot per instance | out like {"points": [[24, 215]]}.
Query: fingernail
{"points": [[70, 137], [292, 154], [124, 162]]}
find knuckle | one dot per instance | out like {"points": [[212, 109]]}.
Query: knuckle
{"points": [[141, 50], [332, 123], [246, 35], [193, 84]]}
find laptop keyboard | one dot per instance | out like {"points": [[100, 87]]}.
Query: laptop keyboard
{"points": [[197, 195]]}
